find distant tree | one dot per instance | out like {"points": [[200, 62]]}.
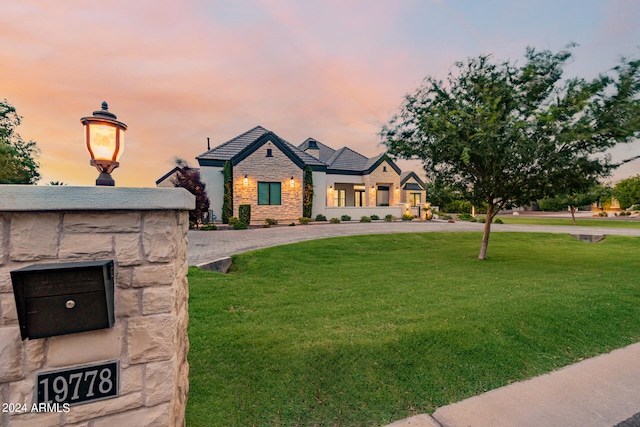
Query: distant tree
{"points": [[56, 183], [440, 194], [578, 187], [627, 192], [502, 133], [189, 178], [574, 200], [18, 159]]}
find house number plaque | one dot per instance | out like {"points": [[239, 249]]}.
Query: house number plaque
{"points": [[79, 385]]}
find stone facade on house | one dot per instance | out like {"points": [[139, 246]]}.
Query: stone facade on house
{"points": [[145, 235], [260, 167], [382, 176]]}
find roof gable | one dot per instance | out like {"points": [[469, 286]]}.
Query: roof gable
{"points": [[239, 148], [374, 162], [409, 175]]}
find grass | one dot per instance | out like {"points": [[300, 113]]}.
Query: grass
{"points": [[365, 330], [595, 222]]}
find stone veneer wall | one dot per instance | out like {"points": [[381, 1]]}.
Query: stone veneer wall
{"points": [[144, 232], [278, 168], [379, 177]]}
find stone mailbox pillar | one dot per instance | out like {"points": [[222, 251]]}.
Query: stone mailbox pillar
{"points": [[140, 363]]}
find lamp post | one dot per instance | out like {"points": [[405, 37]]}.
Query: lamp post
{"points": [[104, 136]]}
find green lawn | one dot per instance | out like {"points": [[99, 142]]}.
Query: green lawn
{"points": [[583, 222], [365, 330]]}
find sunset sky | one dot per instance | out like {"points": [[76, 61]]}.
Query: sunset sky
{"points": [[177, 72]]}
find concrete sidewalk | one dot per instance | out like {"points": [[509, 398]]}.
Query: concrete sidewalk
{"points": [[599, 392]]}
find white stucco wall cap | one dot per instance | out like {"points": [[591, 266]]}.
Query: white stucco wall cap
{"points": [[66, 198]]}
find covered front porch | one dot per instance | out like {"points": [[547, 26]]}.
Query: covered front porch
{"points": [[360, 195]]}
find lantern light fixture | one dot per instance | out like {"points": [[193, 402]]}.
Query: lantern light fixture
{"points": [[104, 138], [246, 180], [291, 182]]}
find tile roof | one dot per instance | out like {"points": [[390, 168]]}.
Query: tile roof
{"points": [[308, 159], [234, 146], [347, 160], [325, 151]]}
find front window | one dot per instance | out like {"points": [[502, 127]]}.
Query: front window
{"points": [[382, 195], [359, 191], [269, 193], [416, 199], [340, 197]]}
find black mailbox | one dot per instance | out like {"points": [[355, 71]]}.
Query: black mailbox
{"points": [[59, 299]]}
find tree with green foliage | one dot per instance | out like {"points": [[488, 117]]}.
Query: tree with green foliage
{"points": [[18, 159], [627, 192], [574, 199], [502, 134], [189, 179]]}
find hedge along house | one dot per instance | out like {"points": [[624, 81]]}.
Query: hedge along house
{"points": [[271, 174]]}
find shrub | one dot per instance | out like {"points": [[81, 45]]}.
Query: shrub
{"points": [[635, 208], [407, 217], [271, 221], [461, 206], [375, 217], [233, 220], [365, 218], [345, 218], [304, 220], [443, 215], [334, 220], [240, 225], [482, 220], [389, 218], [321, 217], [603, 213], [552, 204], [498, 221], [292, 224], [244, 213], [208, 227], [466, 217]]}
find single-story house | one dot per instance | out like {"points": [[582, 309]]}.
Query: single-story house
{"points": [[268, 173]]}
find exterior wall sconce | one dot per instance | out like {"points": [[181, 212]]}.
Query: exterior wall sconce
{"points": [[246, 180], [291, 182], [330, 189], [104, 137]]}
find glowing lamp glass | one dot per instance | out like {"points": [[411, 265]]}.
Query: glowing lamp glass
{"points": [[106, 142]]}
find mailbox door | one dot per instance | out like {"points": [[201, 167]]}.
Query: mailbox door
{"points": [[65, 314]]}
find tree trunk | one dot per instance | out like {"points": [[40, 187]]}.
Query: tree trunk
{"points": [[572, 209], [491, 211]]}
